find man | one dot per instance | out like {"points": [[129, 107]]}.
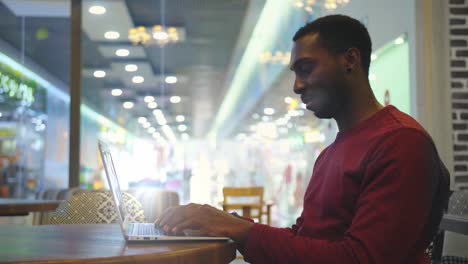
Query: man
{"points": [[377, 192]]}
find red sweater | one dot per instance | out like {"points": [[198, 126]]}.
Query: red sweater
{"points": [[374, 197]]}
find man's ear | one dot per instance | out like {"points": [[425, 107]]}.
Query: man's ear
{"points": [[352, 59]]}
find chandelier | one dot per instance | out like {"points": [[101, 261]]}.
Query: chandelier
{"points": [[327, 4], [159, 35]]}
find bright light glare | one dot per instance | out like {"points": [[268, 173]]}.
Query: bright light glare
{"points": [[152, 105], [180, 118], [131, 67], [128, 105], [138, 79], [149, 99], [112, 35], [182, 128], [122, 52], [97, 10], [399, 41], [116, 92], [171, 79], [175, 99], [160, 35], [268, 111], [142, 120], [99, 74], [288, 100]]}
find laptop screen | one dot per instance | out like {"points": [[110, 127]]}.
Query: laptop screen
{"points": [[112, 179]]}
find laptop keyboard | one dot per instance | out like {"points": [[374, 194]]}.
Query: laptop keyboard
{"points": [[145, 229]]}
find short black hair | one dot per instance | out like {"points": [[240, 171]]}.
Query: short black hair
{"points": [[338, 33]]}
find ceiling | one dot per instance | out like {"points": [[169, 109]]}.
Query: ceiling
{"points": [[216, 32]]}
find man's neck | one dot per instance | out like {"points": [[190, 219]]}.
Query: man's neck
{"points": [[361, 106]]}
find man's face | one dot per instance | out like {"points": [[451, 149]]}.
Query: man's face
{"points": [[320, 76]]}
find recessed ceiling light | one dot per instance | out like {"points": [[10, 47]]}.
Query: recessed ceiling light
{"points": [[142, 120], [138, 79], [112, 35], [151, 130], [170, 79], [131, 67], [152, 105], [128, 105], [97, 10], [288, 100], [156, 135], [269, 111], [182, 128], [1, 114], [122, 52], [175, 99], [146, 125], [180, 118], [149, 99], [99, 74], [116, 92]]}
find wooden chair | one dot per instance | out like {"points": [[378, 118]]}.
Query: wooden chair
{"points": [[248, 200]]}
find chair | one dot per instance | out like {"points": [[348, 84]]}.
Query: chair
{"points": [[96, 207], [155, 201], [451, 242], [249, 200]]}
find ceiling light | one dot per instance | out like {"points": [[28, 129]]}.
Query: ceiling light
{"points": [[131, 67], [112, 35], [151, 130], [182, 128], [170, 79], [269, 111], [128, 105], [122, 52], [149, 99], [152, 105], [97, 10], [158, 114], [116, 92], [184, 136], [180, 118], [288, 100], [99, 74], [168, 132], [175, 99], [138, 79], [1, 114], [399, 41], [142, 120], [146, 125], [373, 57]]}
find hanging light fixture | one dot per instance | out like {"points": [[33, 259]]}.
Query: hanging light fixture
{"points": [[158, 34], [308, 5]]}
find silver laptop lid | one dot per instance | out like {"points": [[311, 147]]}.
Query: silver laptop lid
{"points": [[114, 185]]}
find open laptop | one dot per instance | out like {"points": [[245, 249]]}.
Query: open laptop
{"points": [[137, 231]]}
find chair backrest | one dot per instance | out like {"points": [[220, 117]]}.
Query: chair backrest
{"points": [[96, 207], [248, 200], [155, 201]]}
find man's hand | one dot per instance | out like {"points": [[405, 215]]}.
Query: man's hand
{"points": [[207, 219]]}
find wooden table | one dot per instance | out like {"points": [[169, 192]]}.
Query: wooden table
{"points": [[21, 207], [101, 243]]}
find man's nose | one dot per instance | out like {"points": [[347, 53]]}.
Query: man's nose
{"points": [[298, 85]]}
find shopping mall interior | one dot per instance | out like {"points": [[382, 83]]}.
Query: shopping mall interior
{"points": [[196, 95]]}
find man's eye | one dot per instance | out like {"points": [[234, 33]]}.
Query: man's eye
{"points": [[304, 68]]}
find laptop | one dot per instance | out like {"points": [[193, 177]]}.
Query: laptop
{"points": [[137, 232]]}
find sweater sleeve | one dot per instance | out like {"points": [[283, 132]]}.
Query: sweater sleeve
{"points": [[390, 218]]}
